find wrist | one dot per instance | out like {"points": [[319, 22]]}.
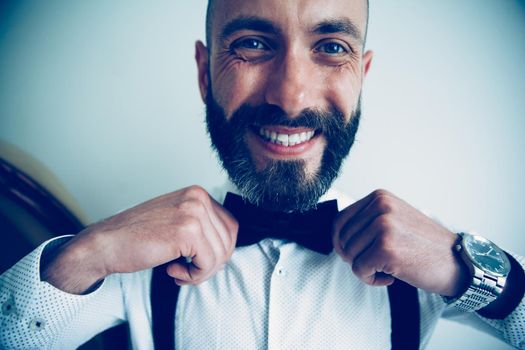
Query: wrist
{"points": [[454, 272], [462, 280], [76, 267]]}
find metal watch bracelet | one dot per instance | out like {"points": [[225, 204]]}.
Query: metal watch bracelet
{"points": [[482, 291]]}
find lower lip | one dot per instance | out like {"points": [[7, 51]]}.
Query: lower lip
{"points": [[286, 151]]}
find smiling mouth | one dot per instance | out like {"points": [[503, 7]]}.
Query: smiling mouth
{"points": [[287, 138]]}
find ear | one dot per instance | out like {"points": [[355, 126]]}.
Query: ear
{"points": [[367, 61], [201, 57]]}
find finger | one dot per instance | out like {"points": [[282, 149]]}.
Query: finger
{"points": [[376, 203], [179, 270], [199, 248], [229, 225], [187, 273], [358, 216], [201, 278], [350, 211], [200, 205], [357, 225], [195, 279], [211, 249], [371, 268], [382, 279], [357, 243], [223, 223], [216, 231]]}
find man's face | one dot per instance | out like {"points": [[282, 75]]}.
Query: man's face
{"points": [[282, 83]]}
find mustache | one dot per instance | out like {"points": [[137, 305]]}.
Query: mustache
{"points": [[265, 114]]}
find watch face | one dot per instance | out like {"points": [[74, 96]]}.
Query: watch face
{"points": [[486, 255]]}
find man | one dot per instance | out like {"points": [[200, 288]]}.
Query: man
{"points": [[282, 82]]}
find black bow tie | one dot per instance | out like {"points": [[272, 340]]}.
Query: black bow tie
{"points": [[311, 229]]}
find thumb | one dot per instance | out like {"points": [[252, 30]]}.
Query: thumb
{"points": [[180, 270], [184, 272]]}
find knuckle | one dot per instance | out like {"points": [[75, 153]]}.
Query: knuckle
{"points": [[233, 228], [191, 224], [385, 253], [384, 203], [386, 247], [193, 206], [232, 225], [383, 224], [197, 192], [381, 193], [384, 239]]}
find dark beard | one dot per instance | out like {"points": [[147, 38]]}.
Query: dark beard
{"points": [[282, 185]]}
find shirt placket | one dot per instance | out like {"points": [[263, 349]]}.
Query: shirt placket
{"points": [[278, 302]]}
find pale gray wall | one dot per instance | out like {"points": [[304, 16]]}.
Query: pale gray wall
{"points": [[104, 93]]}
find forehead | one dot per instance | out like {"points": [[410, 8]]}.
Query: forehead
{"points": [[289, 15]]}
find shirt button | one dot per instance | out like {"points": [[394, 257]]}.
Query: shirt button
{"points": [[37, 324], [281, 271], [8, 307]]}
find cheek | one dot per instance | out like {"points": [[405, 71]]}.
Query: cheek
{"points": [[234, 84], [344, 89]]}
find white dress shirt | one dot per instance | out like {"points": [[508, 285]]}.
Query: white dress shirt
{"points": [[271, 295]]}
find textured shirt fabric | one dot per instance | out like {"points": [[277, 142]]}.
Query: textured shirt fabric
{"points": [[271, 295]]}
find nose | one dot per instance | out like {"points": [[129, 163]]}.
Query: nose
{"points": [[291, 84]]}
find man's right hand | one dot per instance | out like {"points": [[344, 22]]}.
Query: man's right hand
{"points": [[186, 223]]}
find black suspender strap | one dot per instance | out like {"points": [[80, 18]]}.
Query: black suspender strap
{"points": [[405, 317], [404, 310], [164, 295]]}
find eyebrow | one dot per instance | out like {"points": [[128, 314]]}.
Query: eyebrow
{"points": [[329, 26], [338, 25], [249, 23]]}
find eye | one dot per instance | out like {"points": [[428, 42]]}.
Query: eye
{"points": [[250, 44], [332, 48], [334, 52], [251, 49]]}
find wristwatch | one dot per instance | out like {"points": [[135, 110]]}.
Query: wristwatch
{"points": [[489, 268]]}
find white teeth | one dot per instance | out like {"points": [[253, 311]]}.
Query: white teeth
{"points": [[293, 139], [282, 138], [286, 139]]}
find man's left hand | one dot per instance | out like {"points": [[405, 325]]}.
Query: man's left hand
{"points": [[383, 238]]}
